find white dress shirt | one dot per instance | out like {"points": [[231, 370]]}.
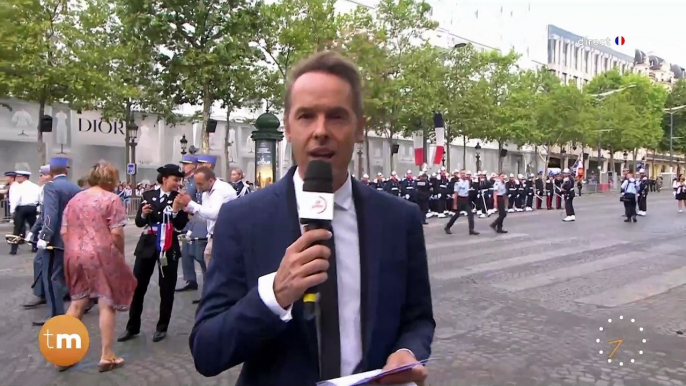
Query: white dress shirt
{"points": [[348, 276], [220, 193], [24, 194]]}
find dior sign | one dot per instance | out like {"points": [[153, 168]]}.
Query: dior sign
{"points": [[101, 126]]}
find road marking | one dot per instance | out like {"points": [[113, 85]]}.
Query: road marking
{"points": [[527, 259], [642, 289], [457, 241], [460, 254], [563, 274]]}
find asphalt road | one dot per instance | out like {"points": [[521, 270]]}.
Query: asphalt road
{"points": [[525, 308]]}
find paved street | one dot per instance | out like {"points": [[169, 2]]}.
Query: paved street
{"points": [[525, 308]]}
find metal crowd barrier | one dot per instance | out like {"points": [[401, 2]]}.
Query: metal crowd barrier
{"points": [[130, 204]]}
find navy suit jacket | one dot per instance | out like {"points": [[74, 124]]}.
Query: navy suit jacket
{"points": [[56, 195], [234, 326]]}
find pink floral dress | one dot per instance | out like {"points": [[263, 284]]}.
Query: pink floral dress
{"points": [[93, 266]]}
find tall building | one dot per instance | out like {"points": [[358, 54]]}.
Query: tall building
{"points": [[658, 69], [577, 59]]}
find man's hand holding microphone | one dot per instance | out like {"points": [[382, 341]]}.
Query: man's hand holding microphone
{"points": [[303, 266]]}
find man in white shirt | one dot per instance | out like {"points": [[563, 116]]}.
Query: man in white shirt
{"points": [[24, 199], [215, 193]]}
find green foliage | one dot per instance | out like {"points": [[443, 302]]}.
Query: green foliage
{"points": [[676, 98], [501, 74], [565, 114]]}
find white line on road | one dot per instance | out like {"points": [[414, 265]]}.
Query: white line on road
{"points": [[563, 274], [527, 259], [642, 289], [460, 241], [482, 250]]}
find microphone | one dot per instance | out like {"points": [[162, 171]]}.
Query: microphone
{"points": [[316, 212]]}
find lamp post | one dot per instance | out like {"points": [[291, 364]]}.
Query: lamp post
{"points": [[359, 160], [671, 112], [477, 149], [563, 160], [625, 157], [132, 134], [184, 145], [600, 97], [265, 138]]}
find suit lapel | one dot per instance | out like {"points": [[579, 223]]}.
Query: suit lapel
{"points": [[370, 252], [289, 211]]}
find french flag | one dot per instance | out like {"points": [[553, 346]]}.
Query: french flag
{"points": [[165, 234], [418, 143], [439, 124]]}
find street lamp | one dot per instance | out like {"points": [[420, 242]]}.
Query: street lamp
{"points": [[477, 149], [184, 145], [132, 134], [671, 112], [625, 156]]}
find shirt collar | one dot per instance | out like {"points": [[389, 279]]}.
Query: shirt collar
{"points": [[343, 197], [162, 192]]}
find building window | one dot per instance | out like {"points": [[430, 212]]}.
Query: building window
{"points": [[564, 54], [551, 50], [586, 61]]}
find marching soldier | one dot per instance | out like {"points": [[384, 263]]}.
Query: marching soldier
{"points": [[407, 188], [539, 186], [643, 193], [490, 202], [557, 191], [473, 190], [423, 195], [161, 218], [442, 194], [433, 201], [24, 198], [500, 193], [56, 195], [483, 191], [521, 193], [378, 184], [549, 191], [530, 190], [461, 204], [567, 190], [392, 186], [512, 190]]}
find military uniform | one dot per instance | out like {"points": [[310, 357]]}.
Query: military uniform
{"points": [[567, 190]]}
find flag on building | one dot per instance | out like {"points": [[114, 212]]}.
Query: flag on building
{"points": [[418, 143], [439, 125]]}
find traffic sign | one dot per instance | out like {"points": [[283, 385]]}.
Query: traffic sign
{"points": [[131, 169]]}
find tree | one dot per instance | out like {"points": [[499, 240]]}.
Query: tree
{"points": [[501, 73], [290, 30], [564, 114], [40, 35], [191, 40], [676, 98]]}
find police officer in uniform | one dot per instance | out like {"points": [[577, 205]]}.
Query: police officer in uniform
{"points": [[500, 196], [483, 188], [378, 184], [512, 190], [241, 188], [392, 186], [521, 193], [38, 291], [365, 179], [192, 251], [159, 210], [461, 204], [442, 198], [423, 195], [630, 189], [558, 190], [567, 190]]}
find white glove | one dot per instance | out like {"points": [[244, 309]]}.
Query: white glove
{"points": [[439, 195], [42, 244], [407, 196], [189, 234], [29, 236]]}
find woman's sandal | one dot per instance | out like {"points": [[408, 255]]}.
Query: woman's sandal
{"points": [[110, 364]]}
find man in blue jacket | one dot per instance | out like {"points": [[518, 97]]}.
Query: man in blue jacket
{"points": [[374, 302], [56, 195]]}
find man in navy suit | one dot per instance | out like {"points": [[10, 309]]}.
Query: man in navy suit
{"points": [[374, 294], [56, 195]]}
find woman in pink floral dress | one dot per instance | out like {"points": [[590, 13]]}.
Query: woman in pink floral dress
{"points": [[94, 264]]}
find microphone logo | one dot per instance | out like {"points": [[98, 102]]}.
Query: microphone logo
{"points": [[319, 205]]}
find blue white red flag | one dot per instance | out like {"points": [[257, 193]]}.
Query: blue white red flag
{"points": [[165, 234]]}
